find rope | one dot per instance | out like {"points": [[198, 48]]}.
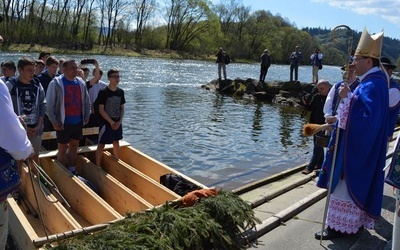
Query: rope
{"points": [[29, 161], [42, 175]]}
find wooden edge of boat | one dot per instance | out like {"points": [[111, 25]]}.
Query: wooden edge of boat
{"points": [[19, 226]]}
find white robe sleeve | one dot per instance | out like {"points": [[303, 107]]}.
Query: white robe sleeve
{"points": [[13, 138], [394, 97]]}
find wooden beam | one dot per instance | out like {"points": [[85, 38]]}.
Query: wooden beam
{"points": [[56, 218], [149, 189], [81, 150], [121, 198], [20, 227], [149, 166], [85, 131], [84, 201]]}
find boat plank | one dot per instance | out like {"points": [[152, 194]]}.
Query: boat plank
{"points": [[49, 135], [147, 188], [149, 166], [121, 198], [56, 218], [81, 150], [19, 226], [81, 198]]}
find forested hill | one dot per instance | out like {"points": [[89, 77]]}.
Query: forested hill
{"points": [[194, 29], [390, 47]]}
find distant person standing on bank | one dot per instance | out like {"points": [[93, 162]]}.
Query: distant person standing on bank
{"points": [[295, 58], [221, 55], [316, 63], [265, 64]]}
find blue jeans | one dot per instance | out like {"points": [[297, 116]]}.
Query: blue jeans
{"points": [[317, 157]]}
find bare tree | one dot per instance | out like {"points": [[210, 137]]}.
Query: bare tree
{"points": [[243, 14], [113, 9], [88, 21], [102, 9], [143, 10], [77, 14], [227, 13], [186, 20]]}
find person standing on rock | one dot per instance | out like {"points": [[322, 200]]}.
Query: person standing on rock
{"points": [[221, 61], [265, 64], [295, 59], [316, 107], [358, 177], [316, 63]]}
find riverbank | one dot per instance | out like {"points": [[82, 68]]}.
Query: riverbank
{"points": [[99, 50], [117, 51]]}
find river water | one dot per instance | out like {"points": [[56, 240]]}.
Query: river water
{"points": [[218, 140]]}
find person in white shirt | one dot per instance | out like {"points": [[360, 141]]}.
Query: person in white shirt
{"points": [[332, 100], [14, 145]]}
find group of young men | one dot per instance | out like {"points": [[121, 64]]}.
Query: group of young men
{"points": [[61, 98]]}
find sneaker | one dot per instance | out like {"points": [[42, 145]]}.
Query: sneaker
{"points": [[306, 171]]}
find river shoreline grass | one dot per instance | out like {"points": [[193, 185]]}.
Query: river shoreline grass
{"points": [[98, 50], [117, 51]]}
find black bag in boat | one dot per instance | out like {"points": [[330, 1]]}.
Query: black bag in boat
{"points": [[178, 184]]}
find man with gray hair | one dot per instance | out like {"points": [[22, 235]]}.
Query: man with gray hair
{"points": [[68, 109], [316, 106]]}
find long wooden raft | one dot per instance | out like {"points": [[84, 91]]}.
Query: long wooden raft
{"points": [[119, 186]]}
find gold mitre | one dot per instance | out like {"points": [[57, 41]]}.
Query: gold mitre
{"points": [[370, 45]]}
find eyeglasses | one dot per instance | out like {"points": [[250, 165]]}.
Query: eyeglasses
{"points": [[115, 77]]}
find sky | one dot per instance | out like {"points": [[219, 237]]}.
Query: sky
{"points": [[374, 15]]}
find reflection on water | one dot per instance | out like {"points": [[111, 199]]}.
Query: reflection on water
{"points": [[257, 121], [215, 139]]}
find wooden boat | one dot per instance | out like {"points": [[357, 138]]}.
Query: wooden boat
{"points": [[129, 184]]}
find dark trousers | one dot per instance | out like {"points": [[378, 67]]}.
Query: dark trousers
{"points": [[317, 157], [294, 67], [263, 73]]}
